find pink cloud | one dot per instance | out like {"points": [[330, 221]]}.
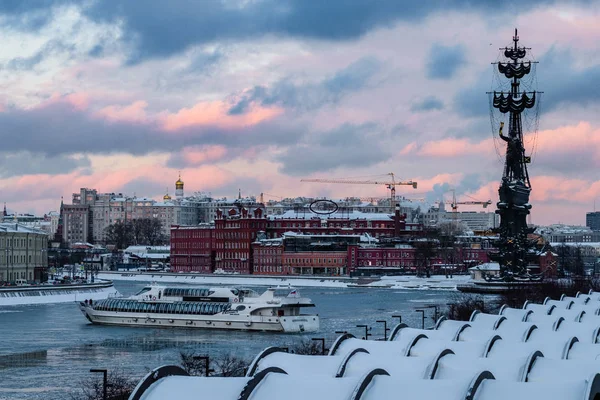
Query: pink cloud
{"points": [[197, 156], [135, 112], [215, 114]]}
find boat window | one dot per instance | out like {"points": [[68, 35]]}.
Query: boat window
{"points": [[240, 308]]}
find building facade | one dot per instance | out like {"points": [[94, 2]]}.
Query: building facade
{"points": [[23, 253], [592, 220]]}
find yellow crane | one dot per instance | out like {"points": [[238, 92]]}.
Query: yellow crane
{"points": [[390, 184]]}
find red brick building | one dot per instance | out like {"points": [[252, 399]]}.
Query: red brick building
{"points": [[235, 231], [192, 249], [231, 244]]}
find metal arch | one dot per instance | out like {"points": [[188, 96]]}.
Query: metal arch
{"points": [[460, 330], [528, 366], [527, 302], [342, 368], [413, 342], [571, 303], [568, 347], [490, 344], [433, 367], [154, 376], [498, 322], [256, 379], [526, 316], [592, 390], [596, 334], [395, 331], [338, 342], [504, 306], [557, 323], [269, 350], [547, 299], [552, 308], [476, 382], [439, 322], [474, 314], [364, 383], [580, 316], [562, 296]]}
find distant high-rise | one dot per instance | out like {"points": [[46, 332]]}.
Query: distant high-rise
{"points": [[592, 220]]}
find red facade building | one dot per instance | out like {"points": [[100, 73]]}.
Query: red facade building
{"points": [[192, 249], [235, 231]]}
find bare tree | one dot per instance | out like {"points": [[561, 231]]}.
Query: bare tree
{"points": [[226, 365], [307, 348], [119, 386], [119, 234]]}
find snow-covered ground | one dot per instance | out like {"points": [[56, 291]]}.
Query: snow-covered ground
{"points": [[388, 282], [59, 296]]}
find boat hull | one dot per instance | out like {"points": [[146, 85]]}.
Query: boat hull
{"points": [[286, 324]]}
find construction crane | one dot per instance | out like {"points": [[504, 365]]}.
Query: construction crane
{"points": [[391, 184], [454, 204]]}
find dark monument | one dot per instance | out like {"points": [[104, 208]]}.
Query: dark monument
{"points": [[513, 207]]}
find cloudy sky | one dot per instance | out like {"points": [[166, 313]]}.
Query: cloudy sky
{"points": [[120, 95]]}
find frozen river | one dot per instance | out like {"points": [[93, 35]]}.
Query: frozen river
{"points": [[46, 350]]}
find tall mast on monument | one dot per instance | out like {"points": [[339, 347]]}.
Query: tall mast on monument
{"points": [[513, 206]]}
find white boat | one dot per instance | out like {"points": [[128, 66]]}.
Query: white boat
{"points": [[56, 293], [276, 310]]}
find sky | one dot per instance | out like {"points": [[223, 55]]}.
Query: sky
{"points": [[254, 95]]}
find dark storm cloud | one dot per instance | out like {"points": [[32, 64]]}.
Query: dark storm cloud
{"points": [[28, 163], [313, 95], [59, 129], [561, 81], [158, 28], [445, 61], [428, 104], [351, 146]]}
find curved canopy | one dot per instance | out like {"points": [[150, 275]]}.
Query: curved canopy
{"points": [[514, 70], [505, 102], [515, 54]]}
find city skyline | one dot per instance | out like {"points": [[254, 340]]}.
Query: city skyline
{"points": [[121, 96]]}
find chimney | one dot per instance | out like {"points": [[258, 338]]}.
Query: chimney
{"points": [[397, 221]]}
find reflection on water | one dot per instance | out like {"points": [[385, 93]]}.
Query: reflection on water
{"points": [[19, 360], [46, 350]]}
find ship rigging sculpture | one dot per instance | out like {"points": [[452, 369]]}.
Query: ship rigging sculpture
{"points": [[513, 205]]}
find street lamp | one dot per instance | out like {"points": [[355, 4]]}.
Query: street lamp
{"points": [[104, 372], [367, 329], [385, 328]]}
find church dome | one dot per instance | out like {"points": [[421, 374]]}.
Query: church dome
{"points": [[166, 197], [179, 183]]}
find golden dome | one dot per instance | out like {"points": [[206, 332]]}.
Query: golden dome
{"points": [[166, 197], [179, 183]]}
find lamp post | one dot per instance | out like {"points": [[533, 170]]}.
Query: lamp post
{"points": [[367, 329], [385, 328], [399, 318], [206, 364], [104, 372]]}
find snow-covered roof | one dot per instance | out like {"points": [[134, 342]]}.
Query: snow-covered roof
{"points": [[547, 351], [15, 227], [306, 214], [491, 266]]}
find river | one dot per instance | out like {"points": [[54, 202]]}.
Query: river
{"points": [[47, 350]]}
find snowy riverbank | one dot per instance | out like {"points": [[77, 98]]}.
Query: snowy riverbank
{"points": [[65, 295], [389, 282]]}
